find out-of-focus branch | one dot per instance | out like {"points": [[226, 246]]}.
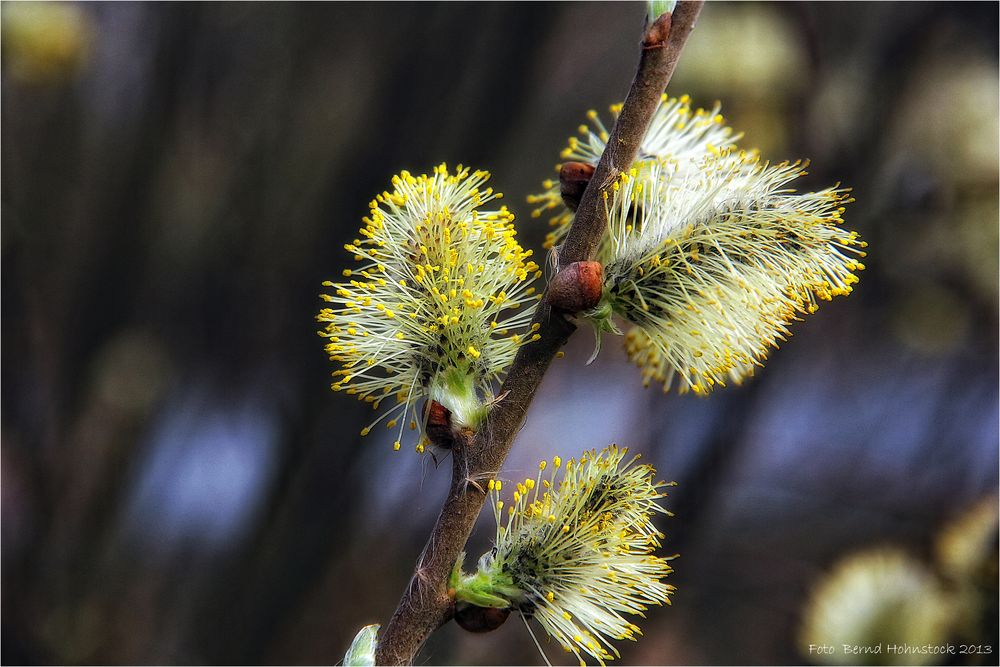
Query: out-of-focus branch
{"points": [[426, 603]]}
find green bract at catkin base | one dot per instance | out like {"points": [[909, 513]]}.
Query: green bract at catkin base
{"points": [[576, 554], [439, 304]]}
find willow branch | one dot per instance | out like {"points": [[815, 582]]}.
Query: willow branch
{"points": [[426, 603], [661, 48]]}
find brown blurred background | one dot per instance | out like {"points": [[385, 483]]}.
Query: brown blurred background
{"points": [[181, 486]]}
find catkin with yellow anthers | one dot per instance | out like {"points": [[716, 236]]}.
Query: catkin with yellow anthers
{"points": [[577, 553], [676, 132], [710, 261], [439, 277]]}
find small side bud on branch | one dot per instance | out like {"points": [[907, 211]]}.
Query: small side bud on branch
{"points": [[658, 8], [362, 650], [438, 429], [479, 619], [577, 287], [573, 180], [658, 33]]}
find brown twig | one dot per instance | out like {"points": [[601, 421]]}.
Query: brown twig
{"points": [[426, 604], [661, 47]]}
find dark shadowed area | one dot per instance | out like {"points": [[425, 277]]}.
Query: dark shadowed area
{"points": [[181, 486]]}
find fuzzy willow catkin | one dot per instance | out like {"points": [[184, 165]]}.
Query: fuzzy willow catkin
{"points": [[576, 553], [439, 303], [710, 254]]}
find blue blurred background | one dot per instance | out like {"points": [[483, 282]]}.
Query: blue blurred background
{"points": [[181, 486]]}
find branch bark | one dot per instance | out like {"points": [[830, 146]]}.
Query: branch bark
{"points": [[661, 48], [425, 604]]}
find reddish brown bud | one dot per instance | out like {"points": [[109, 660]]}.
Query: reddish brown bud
{"points": [[438, 422], [479, 619], [573, 180], [577, 287], [657, 35]]}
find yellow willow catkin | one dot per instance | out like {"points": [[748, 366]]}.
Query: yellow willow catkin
{"points": [[438, 303]]}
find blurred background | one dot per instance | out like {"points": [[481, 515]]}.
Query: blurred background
{"points": [[179, 483]]}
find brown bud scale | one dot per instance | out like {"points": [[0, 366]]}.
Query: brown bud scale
{"points": [[573, 180], [577, 287], [658, 34], [438, 428], [479, 619]]}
